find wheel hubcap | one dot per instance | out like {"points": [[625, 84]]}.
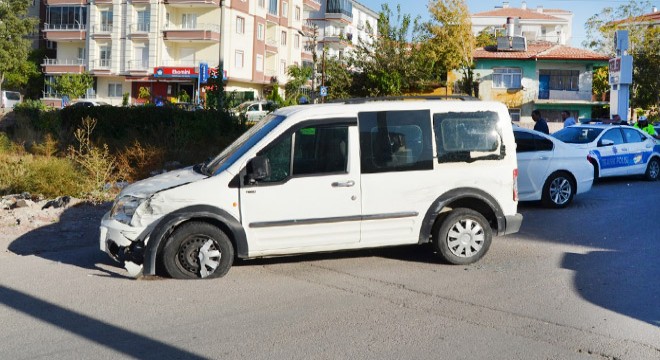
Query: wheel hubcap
{"points": [[560, 191], [654, 170], [199, 255], [465, 238]]}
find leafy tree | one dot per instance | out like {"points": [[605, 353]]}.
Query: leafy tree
{"points": [[601, 84], [14, 44], [646, 70], [298, 78], [73, 85], [275, 97], [338, 79], [487, 37], [451, 42], [390, 63]]}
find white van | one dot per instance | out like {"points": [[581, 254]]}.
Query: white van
{"points": [[9, 99], [328, 177]]}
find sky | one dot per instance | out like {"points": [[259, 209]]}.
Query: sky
{"points": [[581, 9]]}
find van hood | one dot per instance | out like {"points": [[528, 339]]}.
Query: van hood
{"points": [[147, 187]]}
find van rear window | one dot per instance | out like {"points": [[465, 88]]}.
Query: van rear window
{"points": [[468, 136]]}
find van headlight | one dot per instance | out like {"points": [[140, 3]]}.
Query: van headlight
{"points": [[124, 208]]}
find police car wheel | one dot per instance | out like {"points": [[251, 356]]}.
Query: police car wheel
{"points": [[463, 237], [559, 190], [197, 250], [653, 170]]}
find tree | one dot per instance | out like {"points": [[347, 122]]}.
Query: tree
{"points": [[15, 26], [390, 63], [601, 84], [451, 42], [338, 79], [298, 78], [73, 85], [215, 90], [487, 37], [646, 70]]}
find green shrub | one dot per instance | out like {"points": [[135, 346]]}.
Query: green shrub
{"points": [[49, 177]]}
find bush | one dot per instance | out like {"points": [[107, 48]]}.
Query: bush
{"points": [[49, 177]]}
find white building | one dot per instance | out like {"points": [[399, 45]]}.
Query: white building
{"points": [[553, 25], [158, 45]]}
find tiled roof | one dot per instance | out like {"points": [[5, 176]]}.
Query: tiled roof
{"points": [[556, 11], [541, 50], [653, 17], [514, 12]]}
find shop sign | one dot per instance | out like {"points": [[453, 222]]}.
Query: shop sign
{"points": [[175, 72]]}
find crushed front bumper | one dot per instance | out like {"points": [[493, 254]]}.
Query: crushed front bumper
{"points": [[122, 242]]}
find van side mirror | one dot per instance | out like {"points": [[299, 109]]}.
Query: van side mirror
{"points": [[258, 169], [605, 142]]}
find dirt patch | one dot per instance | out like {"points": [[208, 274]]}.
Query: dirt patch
{"points": [[35, 229]]}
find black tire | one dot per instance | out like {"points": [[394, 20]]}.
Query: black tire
{"points": [[652, 170], [558, 190], [180, 256], [464, 237]]}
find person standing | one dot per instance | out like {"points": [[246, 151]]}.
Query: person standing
{"points": [[541, 125], [567, 118]]}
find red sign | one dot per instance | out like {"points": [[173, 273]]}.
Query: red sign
{"points": [[176, 72]]}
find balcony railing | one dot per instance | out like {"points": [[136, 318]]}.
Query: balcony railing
{"points": [[182, 63], [196, 27], [102, 29], [312, 5], [138, 65], [65, 27], [48, 61], [140, 28], [200, 32], [101, 64]]}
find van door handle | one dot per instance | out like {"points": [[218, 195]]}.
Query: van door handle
{"points": [[348, 183]]}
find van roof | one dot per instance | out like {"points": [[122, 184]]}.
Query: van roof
{"points": [[436, 105]]}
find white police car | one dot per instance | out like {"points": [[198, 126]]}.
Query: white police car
{"points": [[615, 150]]}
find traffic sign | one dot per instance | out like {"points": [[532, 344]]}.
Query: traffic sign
{"points": [[323, 91], [203, 73]]}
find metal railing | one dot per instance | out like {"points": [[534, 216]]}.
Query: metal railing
{"points": [[188, 63], [196, 27], [48, 61], [102, 64], [140, 28], [102, 28], [138, 65], [76, 26]]}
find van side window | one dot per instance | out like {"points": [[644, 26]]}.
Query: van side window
{"points": [[468, 136], [395, 141], [312, 150]]}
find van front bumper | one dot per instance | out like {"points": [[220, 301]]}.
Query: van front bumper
{"points": [[121, 242]]}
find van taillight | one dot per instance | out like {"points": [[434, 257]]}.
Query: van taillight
{"points": [[515, 184]]}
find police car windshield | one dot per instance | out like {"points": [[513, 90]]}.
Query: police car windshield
{"points": [[578, 134]]}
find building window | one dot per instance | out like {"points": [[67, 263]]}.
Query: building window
{"points": [[240, 25], [259, 66], [283, 38], [66, 17], [238, 59], [515, 114], [106, 21], [282, 67], [51, 45], [507, 78], [261, 3], [567, 80], [285, 9], [296, 41], [189, 21], [104, 56], [260, 32], [81, 54], [114, 90], [272, 7], [297, 14]]}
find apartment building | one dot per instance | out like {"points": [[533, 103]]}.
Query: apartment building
{"points": [[158, 45], [539, 24]]}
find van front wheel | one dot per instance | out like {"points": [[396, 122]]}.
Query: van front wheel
{"points": [[197, 250], [464, 237]]}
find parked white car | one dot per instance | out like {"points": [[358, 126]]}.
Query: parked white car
{"points": [[328, 177], [253, 111], [550, 170], [615, 150], [9, 99]]}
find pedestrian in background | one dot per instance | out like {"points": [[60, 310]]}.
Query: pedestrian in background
{"points": [[568, 119], [541, 125]]}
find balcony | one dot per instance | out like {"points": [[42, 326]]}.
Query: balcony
{"points": [[63, 66], [100, 66], [65, 2], [65, 32], [312, 5], [271, 45], [139, 30], [138, 67], [193, 3], [339, 11], [199, 33], [102, 31], [182, 63]]}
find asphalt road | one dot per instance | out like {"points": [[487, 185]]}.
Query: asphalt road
{"points": [[578, 283]]}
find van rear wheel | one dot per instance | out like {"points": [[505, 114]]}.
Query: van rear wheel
{"points": [[464, 237], [197, 250]]}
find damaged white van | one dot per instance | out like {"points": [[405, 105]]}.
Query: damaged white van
{"points": [[328, 177]]}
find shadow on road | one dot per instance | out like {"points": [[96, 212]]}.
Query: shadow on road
{"points": [[126, 342], [617, 219], [78, 229]]}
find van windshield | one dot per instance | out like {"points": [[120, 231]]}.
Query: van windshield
{"points": [[244, 143], [12, 95]]}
